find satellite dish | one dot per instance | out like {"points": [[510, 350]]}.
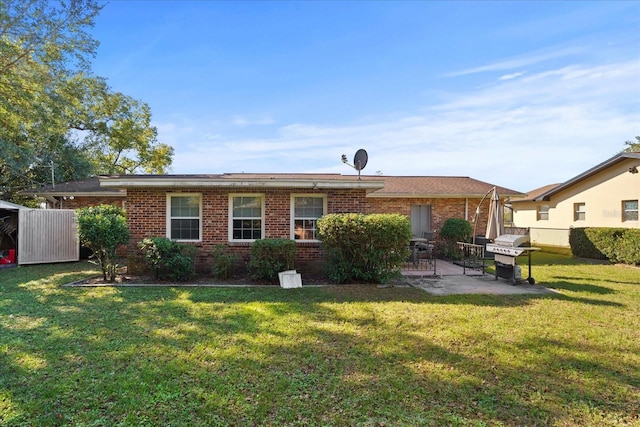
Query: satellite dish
{"points": [[360, 159]]}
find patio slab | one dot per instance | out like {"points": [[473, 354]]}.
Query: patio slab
{"points": [[450, 279]]}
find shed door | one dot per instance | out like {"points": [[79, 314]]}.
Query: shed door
{"points": [[420, 219], [47, 235]]}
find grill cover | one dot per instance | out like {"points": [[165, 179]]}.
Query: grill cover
{"points": [[512, 240]]}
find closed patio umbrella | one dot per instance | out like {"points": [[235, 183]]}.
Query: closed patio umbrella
{"points": [[495, 224]]}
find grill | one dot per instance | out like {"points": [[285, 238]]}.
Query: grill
{"points": [[507, 248]]}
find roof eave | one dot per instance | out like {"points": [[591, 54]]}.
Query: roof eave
{"points": [[588, 173], [245, 183], [432, 195]]}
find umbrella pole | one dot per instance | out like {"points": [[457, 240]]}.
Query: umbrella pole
{"points": [[477, 215]]}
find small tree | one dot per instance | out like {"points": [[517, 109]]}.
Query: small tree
{"points": [[103, 229], [454, 230]]}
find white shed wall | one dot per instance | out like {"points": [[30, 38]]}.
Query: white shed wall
{"points": [[47, 235]]}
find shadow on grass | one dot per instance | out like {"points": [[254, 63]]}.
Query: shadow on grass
{"points": [[579, 287], [268, 356]]}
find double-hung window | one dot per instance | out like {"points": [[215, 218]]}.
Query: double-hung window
{"points": [[630, 210], [579, 211], [305, 211], [543, 212], [246, 214], [184, 217]]}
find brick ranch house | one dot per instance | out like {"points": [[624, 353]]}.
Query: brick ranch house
{"points": [[235, 209]]}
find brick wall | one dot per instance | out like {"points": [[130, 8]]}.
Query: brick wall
{"points": [[146, 215], [441, 209]]}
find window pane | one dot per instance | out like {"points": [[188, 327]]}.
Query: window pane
{"points": [[185, 206], [306, 210], [308, 207], [247, 229], [247, 207], [185, 229], [630, 210]]}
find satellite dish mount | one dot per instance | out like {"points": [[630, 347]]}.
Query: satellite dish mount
{"points": [[359, 160]]}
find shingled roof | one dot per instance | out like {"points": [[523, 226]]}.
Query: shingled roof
{"points": [[377, 185], [437, 186], [533, 194]]}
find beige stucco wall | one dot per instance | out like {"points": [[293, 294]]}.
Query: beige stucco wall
{"points": [[602, 195]]}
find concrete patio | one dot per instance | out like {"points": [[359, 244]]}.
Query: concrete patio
{"points": [[449, 279]]}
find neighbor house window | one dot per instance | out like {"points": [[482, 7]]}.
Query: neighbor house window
{"points": [[630, 210], [305, 211], [184, 216], [246, 213], [543, 212], [579, 212]]}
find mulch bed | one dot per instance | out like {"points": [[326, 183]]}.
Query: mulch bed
{"points": [[124, 279]]}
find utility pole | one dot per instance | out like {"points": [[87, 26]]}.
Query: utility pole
{"points": [[53, 175]]}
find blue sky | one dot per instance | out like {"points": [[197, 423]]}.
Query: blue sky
{"points": [[518, 94]]}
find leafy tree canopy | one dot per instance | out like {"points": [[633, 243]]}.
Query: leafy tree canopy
{"points": [[633, 145], [54, 113]]}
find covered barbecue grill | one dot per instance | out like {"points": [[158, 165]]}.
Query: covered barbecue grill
{"points": [[507, 248]]}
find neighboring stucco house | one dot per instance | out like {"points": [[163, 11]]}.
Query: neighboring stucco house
{"points": [[603, 196], [236, 209]]}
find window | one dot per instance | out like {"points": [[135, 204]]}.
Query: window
{"points": [[630, 210], [246, 216], [543, 212], [579, 211], [184, 216], [306, 209]]}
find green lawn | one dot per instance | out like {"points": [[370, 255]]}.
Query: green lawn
{"points": [[335, 356]]}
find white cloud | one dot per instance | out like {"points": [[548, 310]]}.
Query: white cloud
{"points": [[519, 133], [511, 76]]}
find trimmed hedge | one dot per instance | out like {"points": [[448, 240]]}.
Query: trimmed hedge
{"points": [[364, 248], [271, 256], [615, 244], [168, 257]]}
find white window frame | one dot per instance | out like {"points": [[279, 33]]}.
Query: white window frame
{"points": [[231, 217], [543, 213], [199, 217], [293, 216], [579, 208], [625, 211]]}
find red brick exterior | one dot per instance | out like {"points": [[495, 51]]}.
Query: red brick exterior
{"points": [[147, 207], [441, 209], [146, 213]]}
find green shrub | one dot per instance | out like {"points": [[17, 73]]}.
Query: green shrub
{"points": [[582, 246], [456, 229], [103, 229], [224, 263], [367, 248], [271, 256], [166, 256], [615, 244], [453, 230]]}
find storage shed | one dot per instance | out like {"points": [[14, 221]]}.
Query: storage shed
{"points": [[38, 236]]}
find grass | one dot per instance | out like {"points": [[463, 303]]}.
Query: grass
{"points": [[334, 356]]}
